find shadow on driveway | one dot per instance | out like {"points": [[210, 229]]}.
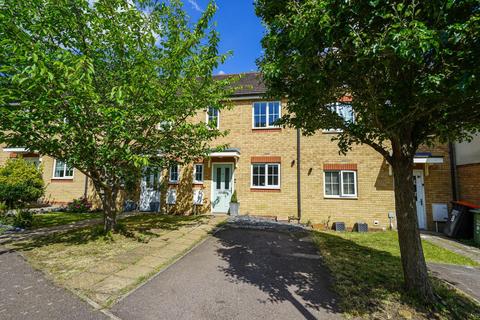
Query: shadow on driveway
{"points": [[239, 274]]}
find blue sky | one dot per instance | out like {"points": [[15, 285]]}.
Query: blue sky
{"points": [[240, 31]]}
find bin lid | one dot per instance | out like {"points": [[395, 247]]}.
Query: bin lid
{"points": [[467, 204]]}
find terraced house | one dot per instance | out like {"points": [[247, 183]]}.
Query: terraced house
{"points": [[275, 172]]}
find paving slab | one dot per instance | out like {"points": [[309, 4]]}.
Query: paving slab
{"points": [[26, 294], [85, 280], [113, 284], [135, 271], [238, 274]]}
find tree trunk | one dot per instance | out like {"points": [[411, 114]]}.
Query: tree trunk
{"points": [[413, 261], [109, 211], [108, 196]]}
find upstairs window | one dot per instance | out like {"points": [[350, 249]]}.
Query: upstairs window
{"points": [[213, 117], [266, 175], [345, 111], [62, 170], [174, 173], [340, 184], [198, 173], [266, 114]]}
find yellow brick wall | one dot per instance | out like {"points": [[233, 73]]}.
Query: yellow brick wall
{"points": [[56, 191], [375, 184]]}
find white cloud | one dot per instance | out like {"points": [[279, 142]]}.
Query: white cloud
{"points": [[221, 72], [195, 5]]}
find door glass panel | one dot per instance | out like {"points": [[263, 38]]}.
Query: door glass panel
{"points": [[219, 179], [227, 178]]}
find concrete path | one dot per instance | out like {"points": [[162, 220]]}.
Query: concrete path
{"points": [[111, 278], [27, 294], [452, 245], [465, 278], [238, 274]]}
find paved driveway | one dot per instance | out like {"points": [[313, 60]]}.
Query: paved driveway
{"points": [[238, 274], [27, 294]]}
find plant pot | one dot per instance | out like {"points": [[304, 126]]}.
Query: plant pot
{"points": [[234, 208]]}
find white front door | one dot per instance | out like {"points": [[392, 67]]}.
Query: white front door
{"points": [[419, 188], [222, 187], [150, 190]]}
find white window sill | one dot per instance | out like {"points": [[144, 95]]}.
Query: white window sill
{"points": [[332, 131], [268, 188], [62, 178], [341, 197], [266, 128], [173, 182]]}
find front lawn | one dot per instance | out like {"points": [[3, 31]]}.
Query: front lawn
{"points": [[104, 267], [51, 219], [368, 277]]}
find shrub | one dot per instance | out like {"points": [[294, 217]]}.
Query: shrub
{"points": [[79, 205], [234, 198], [23, 219], [3, 208], [20, 183]]}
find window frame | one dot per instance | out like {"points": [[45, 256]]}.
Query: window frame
{"points": [[170, 174], [341, 195], [267, 114], [336, 105], [266, 186], [65, 166], [195, 173], [208, 116]]}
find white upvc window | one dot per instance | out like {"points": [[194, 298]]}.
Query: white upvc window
{"points": [[266, 175], [266, 114], [198, 173], [213, 117], [345, 111], [340, 184], [174, 173], [62, 170]]}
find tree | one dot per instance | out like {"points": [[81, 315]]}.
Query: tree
{"points": [[20, 183], [108, 86], [410, 67]]}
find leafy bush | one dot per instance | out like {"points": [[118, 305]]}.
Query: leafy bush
{"points": [[3, 208], [20, 183], [23, 219], [79, 205], [234, 198]]}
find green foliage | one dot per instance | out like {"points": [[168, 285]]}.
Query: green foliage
{"points": [[368, 278], [80, 205], [234, 198], [23, 219], [3, 208], [20, 182], [410, 67], [109, 86]]}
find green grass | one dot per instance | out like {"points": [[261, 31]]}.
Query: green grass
{"points": [[67, 255], [368, 277], [388, 242], [45, 220]]}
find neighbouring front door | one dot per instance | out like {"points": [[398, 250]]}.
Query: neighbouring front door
{"points": [[150, 190], [418, 185], [222, 187]]}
